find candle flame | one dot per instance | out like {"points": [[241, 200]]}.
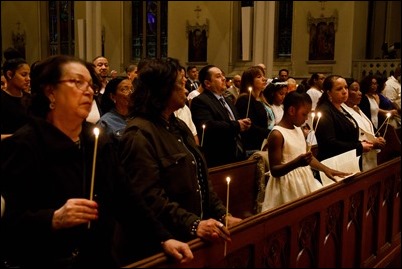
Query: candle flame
{"points": [[203, 126], [388, 115], [96, 131], [319, 114], [313, 115], [228, 180], [250, 89]]}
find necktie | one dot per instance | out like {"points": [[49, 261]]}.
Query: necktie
{"points": [[195, 85], [225, 105], [239, 144]]}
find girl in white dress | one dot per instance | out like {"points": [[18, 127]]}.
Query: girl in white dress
{"points": [[290, 163]]}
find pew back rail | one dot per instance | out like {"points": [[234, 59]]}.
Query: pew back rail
{"points": [[351, 224]]}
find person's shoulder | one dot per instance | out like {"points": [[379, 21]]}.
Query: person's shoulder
{"points": [[34, 130], [106, 116], [204, 96], [193, 94], [243, 96]]}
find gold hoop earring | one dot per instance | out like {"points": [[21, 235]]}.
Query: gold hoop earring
{"points": [[52, 106]]}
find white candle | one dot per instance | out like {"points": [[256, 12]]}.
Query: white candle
{"points": [[386, 127], [319, 117], [309, 144], [385, 121], [91, 194], [249, 99], [203, 132], [227, 210], [227, 201], [311, 138]]}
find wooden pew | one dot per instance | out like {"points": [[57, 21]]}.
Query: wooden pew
{"points": [[351, 224], [392, 148]]}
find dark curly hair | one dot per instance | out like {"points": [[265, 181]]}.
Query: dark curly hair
{"points": [[154, 86]]}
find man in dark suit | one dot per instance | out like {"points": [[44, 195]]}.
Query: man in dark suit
{"points": [[192, 82], [220, 139]]}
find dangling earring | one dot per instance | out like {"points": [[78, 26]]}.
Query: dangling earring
{"points": [[51, 105]]}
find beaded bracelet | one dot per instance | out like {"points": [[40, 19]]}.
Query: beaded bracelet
{"points": [[195, 227]]}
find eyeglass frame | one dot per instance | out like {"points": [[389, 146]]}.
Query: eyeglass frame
{"points": [[84, 82]]}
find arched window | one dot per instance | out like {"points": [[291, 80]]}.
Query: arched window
{"points": [[61, 27], [149, 34]]}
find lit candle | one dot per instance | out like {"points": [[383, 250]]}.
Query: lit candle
{"points": [[385, 121], [310, 138], [91, 194], [203, 132], [319, 117], [310, 141], [227, 210], [249, 99], [386, 126]]}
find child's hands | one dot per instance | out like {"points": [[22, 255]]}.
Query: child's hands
{"points": [[305, 159]]}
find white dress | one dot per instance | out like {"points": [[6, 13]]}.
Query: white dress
{"points": [[298, 182]]}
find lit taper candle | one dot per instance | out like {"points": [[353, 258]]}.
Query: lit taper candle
{"points": [[203, 132], [249, 99], [227, 210], [385, 122], [91, 194]]}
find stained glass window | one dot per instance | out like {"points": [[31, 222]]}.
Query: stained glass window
{"points": [[149, 34], [284, 29], [61, 27]]}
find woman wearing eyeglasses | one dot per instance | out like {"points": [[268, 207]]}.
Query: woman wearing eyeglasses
{"points": [[47, 168], [115, 106]]}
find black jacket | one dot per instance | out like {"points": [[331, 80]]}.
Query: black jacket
{"points": [[41, 168]]}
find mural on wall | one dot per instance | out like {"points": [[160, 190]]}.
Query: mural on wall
{"points": [[197, 45], [197, 36], [322, 36]]}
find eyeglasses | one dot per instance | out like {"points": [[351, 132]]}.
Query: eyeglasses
{"points": [[126, 90], [80, 84]]}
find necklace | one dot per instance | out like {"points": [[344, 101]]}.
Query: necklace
{"points": [[9, 93]]}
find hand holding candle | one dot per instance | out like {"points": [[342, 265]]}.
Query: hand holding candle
{"points": [[249, 99], [203, 132], [91, 194]]}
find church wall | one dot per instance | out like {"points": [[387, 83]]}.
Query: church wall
{"points": [[27, 14], [115, 18]]}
